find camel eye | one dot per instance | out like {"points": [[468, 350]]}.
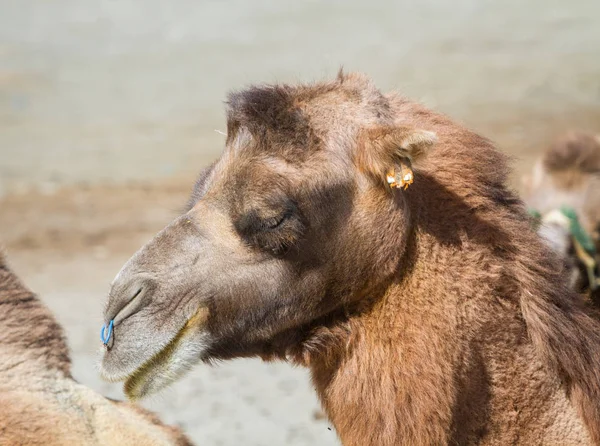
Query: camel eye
{"points": [[274, 234], [275, 222], [252, 222]]}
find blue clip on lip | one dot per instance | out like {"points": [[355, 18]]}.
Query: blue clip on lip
{"points": [[104, 336]]}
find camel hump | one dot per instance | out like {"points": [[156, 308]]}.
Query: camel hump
{"points": [[575, 151], [28, 326]]}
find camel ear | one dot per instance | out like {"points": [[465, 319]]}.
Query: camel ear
{"points": [[387, 153]]}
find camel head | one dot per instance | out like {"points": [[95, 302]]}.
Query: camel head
{"points": [[299, 218]]}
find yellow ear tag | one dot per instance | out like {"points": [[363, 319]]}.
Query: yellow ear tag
{"points": [[401, 178]]}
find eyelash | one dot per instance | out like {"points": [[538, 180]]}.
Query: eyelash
{"points": [[276, 222], [274, 234]]}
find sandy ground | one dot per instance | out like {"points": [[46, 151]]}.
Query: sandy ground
{"points": [[68, 245]]}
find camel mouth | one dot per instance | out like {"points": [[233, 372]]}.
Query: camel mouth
{"points": [[171, 362]]}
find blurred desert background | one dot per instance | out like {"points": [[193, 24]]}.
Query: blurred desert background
{"points": [[108, 109]]}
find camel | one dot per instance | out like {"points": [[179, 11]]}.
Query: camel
{"points": [[40, 403], [568, 174], [375, 242]]}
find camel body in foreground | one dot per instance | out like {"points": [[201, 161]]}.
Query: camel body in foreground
{"points": [[375, 242], [40, 403]]}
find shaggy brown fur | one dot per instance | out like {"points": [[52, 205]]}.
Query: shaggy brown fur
{"points": [[568, 174], [40, 404], [427, 316]]}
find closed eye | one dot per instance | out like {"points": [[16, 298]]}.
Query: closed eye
{"points": [[273, 233], [275, 222]]}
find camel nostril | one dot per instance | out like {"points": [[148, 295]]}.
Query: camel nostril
{"points": [[128, 300], [137, 293]]}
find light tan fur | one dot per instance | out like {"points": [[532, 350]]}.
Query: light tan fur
{"points": [[40, 403]]}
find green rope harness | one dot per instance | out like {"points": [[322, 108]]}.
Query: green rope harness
{"points": [[578, 232], [582, 241]]}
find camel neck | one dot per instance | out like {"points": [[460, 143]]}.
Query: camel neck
{"points": [[367, 384], [391, 380]]}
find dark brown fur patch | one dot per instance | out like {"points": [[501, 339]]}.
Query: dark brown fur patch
{"points": [[272, 116]]}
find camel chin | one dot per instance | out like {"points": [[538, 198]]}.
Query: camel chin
{"points": [[169, 364]]}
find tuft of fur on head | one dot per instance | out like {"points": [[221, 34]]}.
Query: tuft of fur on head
{"points": [[283, 115], [271, 114]]}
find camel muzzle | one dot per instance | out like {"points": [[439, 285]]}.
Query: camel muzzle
{"points": [[156, 293]]}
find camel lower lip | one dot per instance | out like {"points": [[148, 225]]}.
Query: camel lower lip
{"points": [[135, 383], [149, 378]]}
